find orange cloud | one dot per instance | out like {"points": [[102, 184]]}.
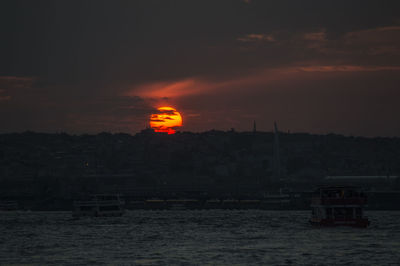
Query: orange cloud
{"points": [[348, 68], [374, 41], [257, 37], [345, 49], [167, 89], [263, 78], [5, 98], [16, 82], [315, 36], [9, 83]]}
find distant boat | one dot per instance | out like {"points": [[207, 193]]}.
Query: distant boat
{"points": [[8, 205], [281, 200], [338, 206], [102, 205], [182, 204]]}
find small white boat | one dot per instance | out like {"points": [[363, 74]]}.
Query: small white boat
{"points": [[101, 205]]}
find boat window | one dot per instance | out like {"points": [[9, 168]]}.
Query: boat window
{"points": [[329, 213], [358, 213], [343, 213], [348, 213]]}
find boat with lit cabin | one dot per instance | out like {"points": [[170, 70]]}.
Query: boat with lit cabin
{"points": [[339, 206]]}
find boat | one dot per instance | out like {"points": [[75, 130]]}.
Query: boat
{"points": [[182, 204], [339, 206], [154, 204], [101, 205], [276, 201]]}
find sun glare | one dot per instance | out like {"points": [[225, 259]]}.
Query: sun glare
{"points": [[166, 120]]}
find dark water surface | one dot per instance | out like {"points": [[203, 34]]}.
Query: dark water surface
{"points": [[209, 237]]}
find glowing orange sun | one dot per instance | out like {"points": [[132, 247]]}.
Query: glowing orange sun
{"points": [[166, 120]]}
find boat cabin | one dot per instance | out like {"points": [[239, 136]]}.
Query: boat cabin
{"points": [[339, 206]]}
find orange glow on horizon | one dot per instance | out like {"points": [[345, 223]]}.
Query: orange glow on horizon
{"points": [[166, 120]]}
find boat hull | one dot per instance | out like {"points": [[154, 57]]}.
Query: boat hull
{"points": [[362, 223]]}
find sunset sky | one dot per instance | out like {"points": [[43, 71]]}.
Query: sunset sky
{"points": [[93, 66]]}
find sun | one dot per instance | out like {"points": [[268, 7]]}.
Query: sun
{"points": [[166, 120]]}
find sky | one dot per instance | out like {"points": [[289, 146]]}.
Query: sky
{"points": [[94, 66]]}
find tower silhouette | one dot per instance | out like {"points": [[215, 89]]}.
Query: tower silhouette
{"points": [[276, 155]]}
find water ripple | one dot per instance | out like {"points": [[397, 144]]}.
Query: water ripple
{"points": [[222, 237]]}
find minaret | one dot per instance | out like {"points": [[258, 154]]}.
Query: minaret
{"points": [[276, 158], [254, 127]]}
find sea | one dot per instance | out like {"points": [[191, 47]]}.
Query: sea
{"points": [[195, 237]]}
